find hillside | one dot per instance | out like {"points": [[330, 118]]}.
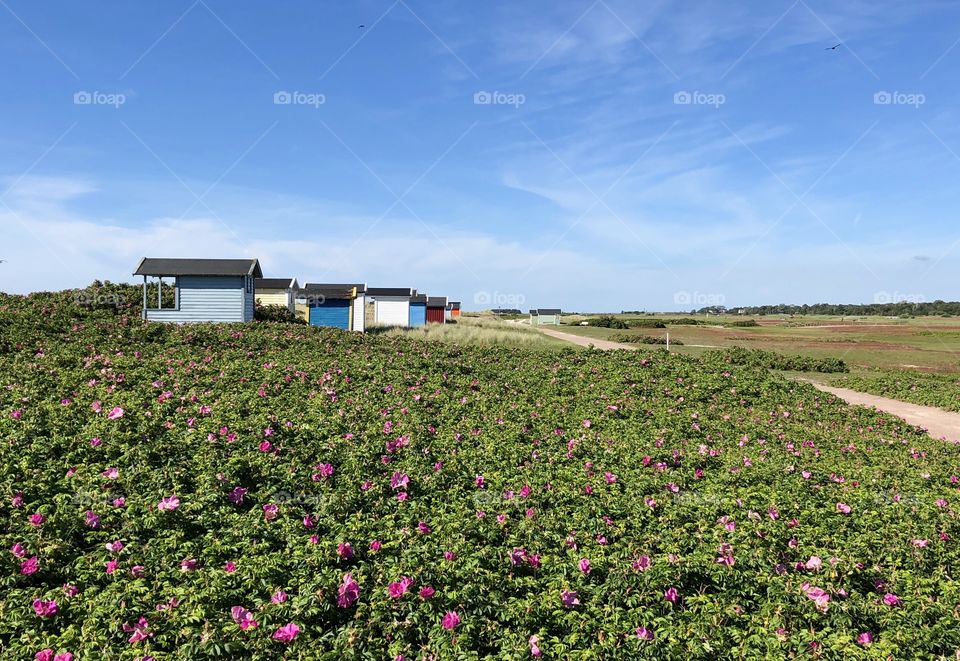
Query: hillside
{"points": [[274, 490]]}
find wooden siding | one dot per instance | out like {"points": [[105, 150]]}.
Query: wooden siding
{"points": [[274, 297], [393, 310], [418, 314], [333, 312], [359, 313], [369, 313], [435, 315], [214, 299]]}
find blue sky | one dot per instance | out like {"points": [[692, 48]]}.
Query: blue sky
{"points": [[590, 155]]}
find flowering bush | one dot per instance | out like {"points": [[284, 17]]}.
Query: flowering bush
{"points": [[273, 490]]}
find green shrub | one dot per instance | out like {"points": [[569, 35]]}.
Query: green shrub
{"points": [[776, 361], [647, 323], [607, 321]]}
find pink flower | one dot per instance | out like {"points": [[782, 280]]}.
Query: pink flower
{"points": [[44, 608], [30, 566], [278, 597], [140, 631], [111, 473], [237, 494], [168, 504], [138, 571], [584, 565], [450, 620], [819, 596], [18, 550], [398, 589], [479, 481], [814, 563], [426, 592], [36, 519], [843, 508], [91, 519], [270, 511], [423, 528], [349, 591], [644, 633], [375, 545], [569, 598], [399, 480], [16, 414], [115, 546], [243, 618], [865, 638], [891, 599], [921, 543], [345, 550], [230, 567], [449, 555], [671, 595], [286, 633], [115, 412], [190, 564], [534, 647], [111, 566]]}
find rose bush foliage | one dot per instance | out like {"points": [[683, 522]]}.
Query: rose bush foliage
{"points": [[278, 491]]}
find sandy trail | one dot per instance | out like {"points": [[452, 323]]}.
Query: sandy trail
{"points": [[938, 423]]}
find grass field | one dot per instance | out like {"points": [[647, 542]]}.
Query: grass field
{"points": [[924, 344]]}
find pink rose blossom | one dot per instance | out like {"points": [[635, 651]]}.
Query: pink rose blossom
{"points": [[29, 566], [168, 504], [450, 620], [286, 633], [349, 591], [115, 412], [243, 618], [44, 608]]}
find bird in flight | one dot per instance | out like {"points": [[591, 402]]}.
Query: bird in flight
{"points": [[361, 27], [833, 47]]}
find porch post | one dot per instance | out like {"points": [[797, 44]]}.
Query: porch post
{"points": [[144, 315]]}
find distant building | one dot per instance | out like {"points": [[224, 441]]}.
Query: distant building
{"points": [[453, 310], [277, 291], [545, 317], [506, 311], [389, 306], [211, 290], [333, 305], [436, 309], [418, 309]]}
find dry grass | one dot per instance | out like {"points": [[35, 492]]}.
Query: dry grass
{"points": [[482, 332]]}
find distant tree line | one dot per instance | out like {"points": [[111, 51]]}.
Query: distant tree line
{"points": [[934, 308]]}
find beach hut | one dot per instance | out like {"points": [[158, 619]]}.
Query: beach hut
{"points": [[418, 309], [391, 305], [545, 317], [276, 291], [204, 290], [436, 309], [453, 310], [333, 305]]}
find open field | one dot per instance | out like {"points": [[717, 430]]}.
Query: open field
{"points": [[274, 490], [476, 331], [925, 344]]}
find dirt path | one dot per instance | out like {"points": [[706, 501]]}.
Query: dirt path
{"points": [[606, 345], [939, 424]]}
